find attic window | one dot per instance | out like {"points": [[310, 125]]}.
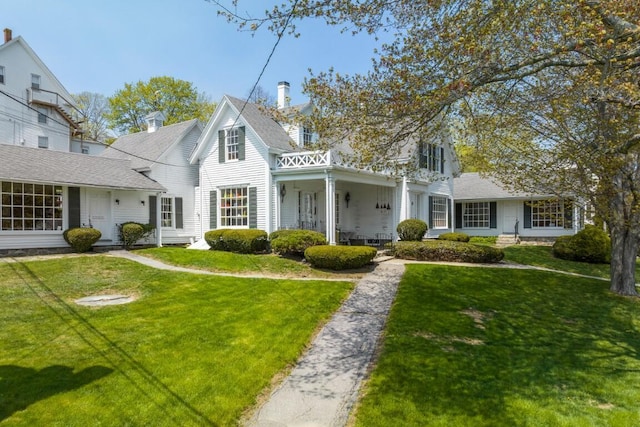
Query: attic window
{"points": [[35, 81], [232, 142]]}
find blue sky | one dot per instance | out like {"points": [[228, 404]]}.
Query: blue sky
{"points": [[98, 46]]}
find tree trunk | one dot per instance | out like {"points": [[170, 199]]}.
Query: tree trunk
{"points": [[624, 249]]}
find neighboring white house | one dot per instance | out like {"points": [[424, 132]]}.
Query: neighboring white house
{"points": [[161, 153], [44, 187], [484, 208], [257, 173]]}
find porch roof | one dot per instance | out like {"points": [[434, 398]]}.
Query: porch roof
{"points": [[40, 165]]}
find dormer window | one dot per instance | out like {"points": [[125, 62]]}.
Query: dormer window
{"points": [[2, 74], [35, 81], [307, 136]]}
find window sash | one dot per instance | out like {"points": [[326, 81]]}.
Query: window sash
{"points": [[439, 212], [475, 215], [30, 207], [547, 214], [234, 207], [166, 212], [35, 81], [232, 143]]}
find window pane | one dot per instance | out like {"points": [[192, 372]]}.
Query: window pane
{"points": [[166, 210], [439, 212], [22, 209], [234, 207]]}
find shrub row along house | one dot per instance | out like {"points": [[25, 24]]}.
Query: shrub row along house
{"points": [[242, 169]]}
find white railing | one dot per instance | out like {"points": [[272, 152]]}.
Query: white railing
{"points": [[304, 159]]}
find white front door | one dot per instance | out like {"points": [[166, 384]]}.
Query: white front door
{"points": [[100, 213], [414, 206], [509, 217], [308, 210]]}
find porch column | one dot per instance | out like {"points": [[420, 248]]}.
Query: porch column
{"points": [[159, 220], [275, 190], [330, 204], [404, 201]]}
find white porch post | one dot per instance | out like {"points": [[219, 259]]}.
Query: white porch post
{"points": [[330, 209], [277, 202], [404, 201], [158, 220]]}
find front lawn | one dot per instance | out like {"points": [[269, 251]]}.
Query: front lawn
{"points": [[541, 256], [501, 347], [192, 350]]}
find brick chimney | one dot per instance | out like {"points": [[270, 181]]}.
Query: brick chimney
{"points": [[283, 94], [7, 35]]}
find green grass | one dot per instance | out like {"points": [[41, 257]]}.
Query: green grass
{"points": [[501, 347], [227, 262], [541, 256], [192, 350]]}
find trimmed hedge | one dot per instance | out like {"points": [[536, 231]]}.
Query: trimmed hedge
{"points": [[339, 257], [295, 242], [411, 230], [443, 250], [592, 244], [454, 237], [244, 241], [82, 238], [131, 232]]}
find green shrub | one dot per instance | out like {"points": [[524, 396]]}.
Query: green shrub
{"points": [[243, 241], [82, 238], [483, 240], [592, 244], [131, 232], [295, 242], [339, 257], [443, 250], [454, 237], [411, 230]]}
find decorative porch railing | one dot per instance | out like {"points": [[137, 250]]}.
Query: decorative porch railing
{"points": [[306, 159]]}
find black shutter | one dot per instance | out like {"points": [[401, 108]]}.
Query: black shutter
{"points": [[527, 215], [253, 207], [493, 217], [241, 138], [449, 209], [74, 207], [568, 214], [431, 212], [179, 220], [153, 200], [458, 215], [213, 209], [441, 160], [221, 147]]}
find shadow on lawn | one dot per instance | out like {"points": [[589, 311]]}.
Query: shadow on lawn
{"points": [[21, 387], [543, 339]]}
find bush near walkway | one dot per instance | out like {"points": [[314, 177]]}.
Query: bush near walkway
{"points": [[444, 250]]}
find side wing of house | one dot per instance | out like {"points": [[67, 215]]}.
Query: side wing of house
{"points": [[36, 104]]}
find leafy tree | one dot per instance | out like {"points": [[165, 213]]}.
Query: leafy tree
{"points": [[260, 95], [549, 89], [177, 99], [93, 108]]}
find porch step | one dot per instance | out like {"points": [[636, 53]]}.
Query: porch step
{"points": [[506, 240]]}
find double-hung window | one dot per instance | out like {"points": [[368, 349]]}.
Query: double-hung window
{"points": [[234, 207], [43, 142], [42, 115], [547, 214], [232, 141], [35, 81], [307, 136], [439, 212], [2, 74], [476, 215], [166, 212], [431, 157]]}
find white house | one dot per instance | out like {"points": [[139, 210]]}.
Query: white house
{"points": [[161, 153], [485, 208], [257, 173], [44, 187]]}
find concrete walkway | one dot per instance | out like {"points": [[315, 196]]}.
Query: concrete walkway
{"points": [[322, 388]]}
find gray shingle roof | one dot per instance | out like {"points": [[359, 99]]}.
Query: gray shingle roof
{"points": [[57, 167], [144, 148], [472, 186], [264, 124]]}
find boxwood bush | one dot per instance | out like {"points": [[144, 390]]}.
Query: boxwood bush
{"points": [[592, 244], [82, 238], [339, 257], [444, 250], [411, 230], [131, 232], [244, 241], [295, 242], [454, 237]]}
